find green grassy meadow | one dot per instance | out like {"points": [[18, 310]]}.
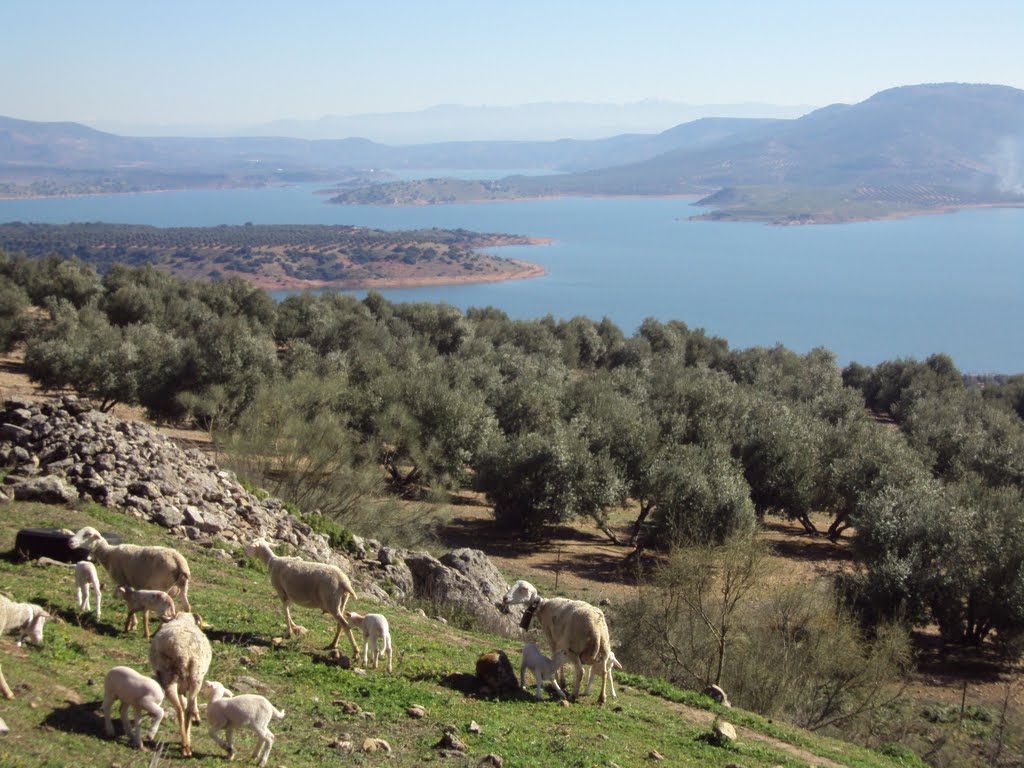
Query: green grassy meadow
{"points": [[56, 717]]}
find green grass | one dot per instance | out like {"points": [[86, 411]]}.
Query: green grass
{"points": [[56, 720]]}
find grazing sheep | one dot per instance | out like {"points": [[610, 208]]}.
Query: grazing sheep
{"points": [[179, 654], [571, 625], [610, 663], [24, 619], [542, 667], [375, 627], [312, 585], [132, 689], [138, 567], [247, 711], [86, 580], [145, 600]]}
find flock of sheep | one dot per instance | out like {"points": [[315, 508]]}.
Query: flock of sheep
{"points": [[148, 578]]}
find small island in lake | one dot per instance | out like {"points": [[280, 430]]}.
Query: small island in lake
{"points": [[278, 256]]}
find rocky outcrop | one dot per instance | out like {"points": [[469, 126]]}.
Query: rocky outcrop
{"points": [[463, 578], [65, 449]]}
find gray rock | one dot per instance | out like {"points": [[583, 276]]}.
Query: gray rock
{"points": [[49, 489], [724, 731], [168, 516], [14, 433]]}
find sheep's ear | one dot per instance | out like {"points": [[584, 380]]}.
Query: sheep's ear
{"points": [[199, 620]]}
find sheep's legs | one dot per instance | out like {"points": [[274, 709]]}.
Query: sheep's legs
{"points": [[214, 730], [184, 597], [145, 622], [4, 689], [293, 628], [339, 616], [157, 713], [263, 748], [183, 722]]}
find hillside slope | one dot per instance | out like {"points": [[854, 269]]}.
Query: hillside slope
{"points": [[55, 718]]}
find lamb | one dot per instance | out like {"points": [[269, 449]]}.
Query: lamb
{"points": [[180, 654], [138, 567], [610, 663], [571, 625], [132, 689], [542, 667], [24, 619], [247, 711], [375, 627], [312, 585], [86, 580], [145, 600]]}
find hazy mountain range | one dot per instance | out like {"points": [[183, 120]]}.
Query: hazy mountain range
{"points": [[914, 146], [545, 121]]}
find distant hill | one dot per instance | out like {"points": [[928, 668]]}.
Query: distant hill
{"points": [[914, 147], [62, 158]]}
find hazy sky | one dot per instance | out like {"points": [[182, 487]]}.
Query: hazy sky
{"points": [[226, 62]]}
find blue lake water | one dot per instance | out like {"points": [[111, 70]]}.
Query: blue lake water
{"points": [[867, 291]]}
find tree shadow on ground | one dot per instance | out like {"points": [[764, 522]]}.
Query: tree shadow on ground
{"points": [[958, 664], [483, 533], [792, 542]]}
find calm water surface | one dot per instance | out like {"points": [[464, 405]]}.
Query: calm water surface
{"points": [[867, 291]]}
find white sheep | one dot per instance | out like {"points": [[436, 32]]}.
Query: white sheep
{"points": [[375, 629], [24, 619], [145, 600], [542, 667], [312, 585], [610, 663], [136, 690], [227, 712], [571, 625], [138, 567], [86, 580], [180, 654]]}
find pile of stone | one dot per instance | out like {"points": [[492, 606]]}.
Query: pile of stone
{"points": [[64, 450]]}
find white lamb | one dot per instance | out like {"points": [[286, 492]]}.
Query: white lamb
{"points": [[132, 689], [145, 600], [542, 667], [571, 625], [87, 580], [312, 585], [375, 628], [24, 619], [610, 663], [227, 712], [179, 655], [138, 567]]}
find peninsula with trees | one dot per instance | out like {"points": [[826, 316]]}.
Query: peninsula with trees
{"points": [[278, 256]]}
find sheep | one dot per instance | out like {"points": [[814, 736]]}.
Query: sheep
{"points": [[312, 585], [247, 711], [138, 567], [180, 654], [571, 625], [542, 667], [375, 627], [610, 663], [145, 600], [132, 689], [24, 619], [86, 580]]}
